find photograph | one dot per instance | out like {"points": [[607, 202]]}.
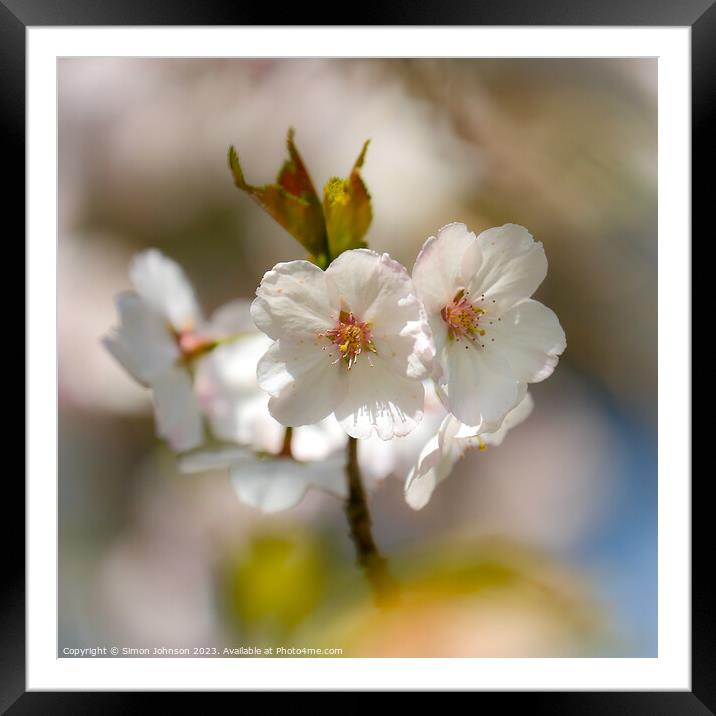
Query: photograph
{"points": [[357, 357]]}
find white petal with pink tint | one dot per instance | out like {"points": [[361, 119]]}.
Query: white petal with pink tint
{"points": [[304, 385], [440, 266], [474, 392], [158, 338], [162, 285], [351, 340], [292, 300], [381, 458], [232, 318], [512, 265], [177, 413], [378, 399], [141, 342], [490, 338], [529, 340]]}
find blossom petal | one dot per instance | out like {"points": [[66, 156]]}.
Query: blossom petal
{"points": [[304, 383], [493, 434], [381, 458], [142, 342], [434, 464], [329, 474], [278, 484], [409, 352], [449, 429], [445, 448], [511, 267], [440, 269], [316, 442], [162, 284], [517, 415], [378, 290], [374, 287], [209, 460], [378, 398], [292, 302], [232, 318], [488, 427], [242, 418], [232, 366], [530, 339], [269, 485], [422, 479], [176, 409], [229, 394], [474, 392]]}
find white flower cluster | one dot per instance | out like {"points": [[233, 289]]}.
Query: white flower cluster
{"points": [[349, 350]]}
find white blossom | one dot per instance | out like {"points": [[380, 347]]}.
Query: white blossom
{"points": [[351, 340], [491, 338], [158, 336]]}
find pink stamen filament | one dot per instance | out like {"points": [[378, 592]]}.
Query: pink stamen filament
{"points": [[352, 337], [462, 318]]}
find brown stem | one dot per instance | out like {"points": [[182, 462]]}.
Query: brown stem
{"points": [[286, 450], [369, 558]]}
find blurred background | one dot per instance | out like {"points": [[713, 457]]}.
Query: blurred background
{"points": [[545, 546]]}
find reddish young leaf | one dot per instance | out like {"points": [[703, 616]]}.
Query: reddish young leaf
{"points": [[292, 201]]}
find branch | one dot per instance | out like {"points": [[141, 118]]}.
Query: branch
{"points": [[369, 558]]}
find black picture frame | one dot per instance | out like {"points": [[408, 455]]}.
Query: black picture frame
{"points": [[17, 15]]}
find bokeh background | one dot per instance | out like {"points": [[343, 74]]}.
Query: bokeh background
{"points": [[545, 546]]}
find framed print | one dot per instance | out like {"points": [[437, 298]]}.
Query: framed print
{"points": [[367, 351]]}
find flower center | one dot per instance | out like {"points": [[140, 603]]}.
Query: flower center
{"points": [[192, 345], [351, 337], [462, 318]]}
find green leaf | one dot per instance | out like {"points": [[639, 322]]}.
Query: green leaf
{"points": [[347, 210], [292, 201]]}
